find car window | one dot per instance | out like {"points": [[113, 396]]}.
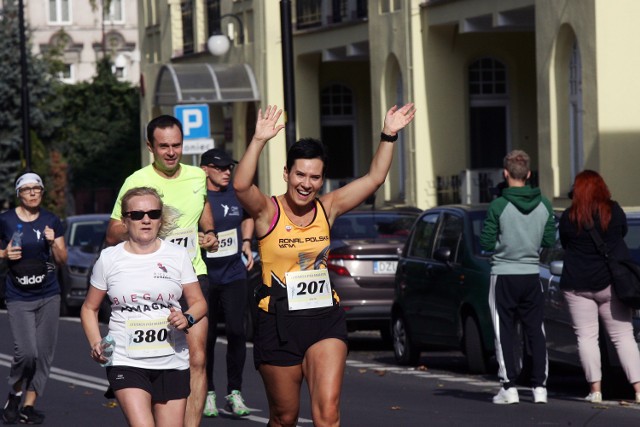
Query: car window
{"points": [[632, 239], [477, 221], [372, 226], [421, 245], [87, 233], [450, 234]]}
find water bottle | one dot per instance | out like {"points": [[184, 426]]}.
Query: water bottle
{"points": [[17, 236], [108, 345]]}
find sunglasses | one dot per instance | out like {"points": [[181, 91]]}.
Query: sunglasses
{"points": [[138, 215], [223, 168]]}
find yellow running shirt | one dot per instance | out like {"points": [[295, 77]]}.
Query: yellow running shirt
{"points": [[288, 248]]}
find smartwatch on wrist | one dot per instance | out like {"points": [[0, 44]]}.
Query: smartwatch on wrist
{"points": [[190, 320]]}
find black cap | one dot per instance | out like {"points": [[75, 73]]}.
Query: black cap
{"points": [[216, 157]]}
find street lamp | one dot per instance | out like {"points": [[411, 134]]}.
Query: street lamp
{"points": [[26, 140], [218, 44]]}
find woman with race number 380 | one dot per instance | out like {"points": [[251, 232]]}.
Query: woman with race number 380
{"points": [[301, 330], [144, 278]]}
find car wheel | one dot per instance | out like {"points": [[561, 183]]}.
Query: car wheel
{"points": [[404, 350], [473, 348]]}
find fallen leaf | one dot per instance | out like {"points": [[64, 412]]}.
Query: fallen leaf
{"points": [[421, 368], [88, 393], [380, 372], [362, 371], [395, 408], [111, 404]]}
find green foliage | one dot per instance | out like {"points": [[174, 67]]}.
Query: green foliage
{"points": [[44, 105], [100, 139]]}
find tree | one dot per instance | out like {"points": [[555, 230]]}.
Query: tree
{"points": [[43, 102], [101, 132]]}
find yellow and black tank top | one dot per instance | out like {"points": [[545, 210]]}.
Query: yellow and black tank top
{"points": [[288, 247]]}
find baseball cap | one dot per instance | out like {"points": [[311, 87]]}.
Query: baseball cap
{"points": [[216, 157], [29, 178]]}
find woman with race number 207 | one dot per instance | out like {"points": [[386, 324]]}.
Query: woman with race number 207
{"points": [[301, 330]]}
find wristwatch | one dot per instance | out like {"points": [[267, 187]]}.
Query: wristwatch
{"points": [[190, 320]]}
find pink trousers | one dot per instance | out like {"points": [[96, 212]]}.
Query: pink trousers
{"points": [[585, 308]]}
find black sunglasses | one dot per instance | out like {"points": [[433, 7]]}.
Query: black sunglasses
{"points": [[223, 168], [138, 215]]}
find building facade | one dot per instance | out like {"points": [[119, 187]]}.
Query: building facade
{"points": [[551, 77], [83, 36]]}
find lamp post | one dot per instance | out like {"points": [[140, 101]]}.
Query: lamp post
{"points": [[287, 73], [26, 140]]}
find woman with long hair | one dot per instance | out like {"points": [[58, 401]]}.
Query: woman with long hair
{"points": [[586, 280]]}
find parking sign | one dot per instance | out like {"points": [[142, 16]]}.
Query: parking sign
{"points": [[195, 120], [195, 126]]}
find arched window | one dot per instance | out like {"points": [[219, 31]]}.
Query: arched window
{"points": [[338, 130], [488, 113]]}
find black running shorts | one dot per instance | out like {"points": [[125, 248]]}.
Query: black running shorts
{"points": [[302, 333], [162, 384]]}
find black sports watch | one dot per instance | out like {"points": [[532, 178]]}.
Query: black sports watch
{"points": [[190, 320]]}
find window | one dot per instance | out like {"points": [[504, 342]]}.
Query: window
{"points": [[488, 113], [308, 13], [422, 240], [59, 11], [66, 75], [187, 27], [338, 130], [450, 235], [115, 12]]}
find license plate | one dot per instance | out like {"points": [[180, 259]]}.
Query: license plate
{"points": [[384, 267]]}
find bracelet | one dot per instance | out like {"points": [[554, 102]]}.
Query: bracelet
{"points": [[246, 240], [210, 231], [388, 138]]}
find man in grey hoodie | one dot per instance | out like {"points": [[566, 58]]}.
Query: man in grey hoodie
{"points": [[517, 224]]}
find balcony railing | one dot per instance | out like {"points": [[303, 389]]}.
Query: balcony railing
{"points": [[319, 13]]}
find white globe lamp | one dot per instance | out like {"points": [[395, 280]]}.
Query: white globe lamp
{"points": [[218, 44]]}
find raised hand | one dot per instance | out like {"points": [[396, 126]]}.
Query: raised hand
{"points": [[397, 118], [266, 125]]}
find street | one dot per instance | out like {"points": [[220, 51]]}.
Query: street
{"points": [[376, 392]]}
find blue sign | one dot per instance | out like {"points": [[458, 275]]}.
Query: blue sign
{"points": [[194, 119]]}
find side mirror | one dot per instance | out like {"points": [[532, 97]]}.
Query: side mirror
{"points": [[443, 254], [556, 267]]}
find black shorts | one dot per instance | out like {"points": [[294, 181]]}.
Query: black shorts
{"points": [[302, 333], [203, 279], [162, 384]]}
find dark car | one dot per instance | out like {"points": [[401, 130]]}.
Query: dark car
{"points": [[84, 236], [362, 264], [442, 288], [561, 339]]}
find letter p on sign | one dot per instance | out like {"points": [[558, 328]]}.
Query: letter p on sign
{"points": [[194, 119]]}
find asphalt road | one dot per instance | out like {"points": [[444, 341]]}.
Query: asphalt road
{"points": [[376, 392]]}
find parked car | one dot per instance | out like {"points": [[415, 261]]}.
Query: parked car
{"points": [[442, 288], [362, 264], [84, 236], [561, 340]]}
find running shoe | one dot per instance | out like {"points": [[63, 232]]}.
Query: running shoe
{"points": [[210, 408], [539, 394], [11, 410], [235, 404], [506, 396], [594, 397], [28, 415]]}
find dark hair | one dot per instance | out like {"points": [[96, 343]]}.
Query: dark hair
{"points": [[307, 148], [591, 198], [162, 122], [517, 164]]}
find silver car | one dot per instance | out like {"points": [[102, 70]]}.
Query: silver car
{"points": [[561, 339]]}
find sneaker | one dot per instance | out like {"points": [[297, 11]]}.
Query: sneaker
{"points": [[210, 408], [594, 397], [28, 415], [235, 404], [539, 394], [11, 410], [506, 397]]}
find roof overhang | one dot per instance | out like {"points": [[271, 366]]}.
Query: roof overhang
{"points": [[205, 83]]}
